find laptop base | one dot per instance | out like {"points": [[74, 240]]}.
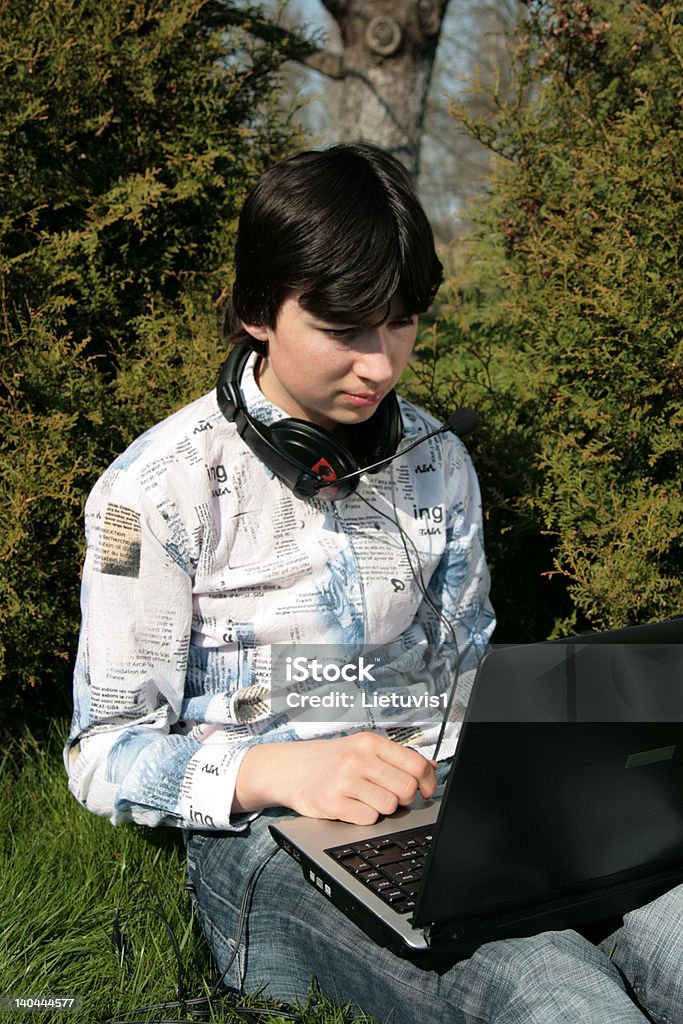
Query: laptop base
{"points": [[594, 915]]}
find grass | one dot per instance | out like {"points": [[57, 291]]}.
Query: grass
{"points": [[64, 875]]}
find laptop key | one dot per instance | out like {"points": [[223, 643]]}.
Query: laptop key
{"points": [[402, 907], [365, 848], [392, 895], [372, 876], [356, 864], [406, 843], [343, 852], [401, 869], [392, 855], [405, 881], [380, 884], [397, 901]]}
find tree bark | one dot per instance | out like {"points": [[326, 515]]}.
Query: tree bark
{"points": [[386, 67]]}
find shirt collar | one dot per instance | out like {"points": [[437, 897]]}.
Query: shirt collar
{"points": [[256, 403]]}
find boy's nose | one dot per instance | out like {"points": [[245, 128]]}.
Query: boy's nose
{"points": [[374, 362], [375, 367]]}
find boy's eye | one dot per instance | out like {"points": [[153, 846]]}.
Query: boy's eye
{"points": [[404, 321], [338, 332], [347, 333]]}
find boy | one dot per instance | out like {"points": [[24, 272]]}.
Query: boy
{"points": [[294, 507]]}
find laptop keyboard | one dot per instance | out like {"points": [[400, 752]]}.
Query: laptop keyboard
{"points": [[391, 866]]}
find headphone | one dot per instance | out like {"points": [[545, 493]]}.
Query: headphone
{"points": [[307, 458]]}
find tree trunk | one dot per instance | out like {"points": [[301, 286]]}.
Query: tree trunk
{"points": [[388, 54]]}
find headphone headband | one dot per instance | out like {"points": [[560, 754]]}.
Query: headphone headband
{"points": [[307, 458]]}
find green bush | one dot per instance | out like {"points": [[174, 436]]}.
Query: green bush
{"points": [[565, 327], [130, 134]]}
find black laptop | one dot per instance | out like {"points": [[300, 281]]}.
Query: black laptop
{"points": [[563, 805]]}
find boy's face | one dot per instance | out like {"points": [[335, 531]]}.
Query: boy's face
{"points": [[333, 373]]}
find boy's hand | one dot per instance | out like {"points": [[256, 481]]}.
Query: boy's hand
{"points": [[354, 778]]}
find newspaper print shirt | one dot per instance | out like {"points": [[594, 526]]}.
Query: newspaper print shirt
{"points": [[200, 564]]}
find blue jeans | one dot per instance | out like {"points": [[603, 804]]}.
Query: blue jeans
{"points": [[293, 933]]}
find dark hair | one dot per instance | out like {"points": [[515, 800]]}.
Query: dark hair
{"points": [[343, 227]]}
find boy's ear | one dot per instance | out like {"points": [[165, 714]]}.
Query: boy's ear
{"points": [[257, 331]]}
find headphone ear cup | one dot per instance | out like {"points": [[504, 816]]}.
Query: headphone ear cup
{"points": [[316, 452], [228, 390]]}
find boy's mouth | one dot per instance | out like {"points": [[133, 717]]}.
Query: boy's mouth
{"points": [[368, 398]]}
